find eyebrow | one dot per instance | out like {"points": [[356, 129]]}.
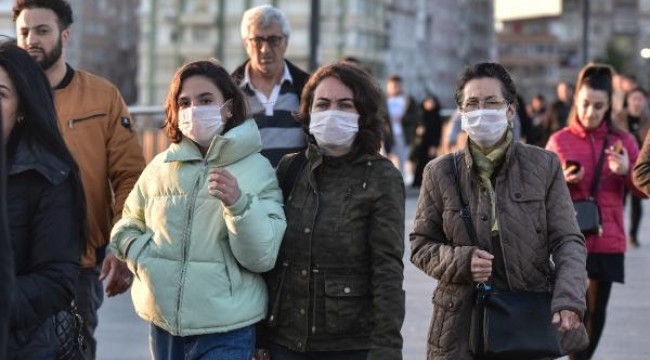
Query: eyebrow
{"points": [[201, 95], [338, 100], [491, 97]]}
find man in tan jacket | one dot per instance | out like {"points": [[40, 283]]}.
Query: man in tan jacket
{"points": [[97, 129]]}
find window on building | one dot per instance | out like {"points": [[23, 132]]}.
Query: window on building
{"points": [[201, 33]]}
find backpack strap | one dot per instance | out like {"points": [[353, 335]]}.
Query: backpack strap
{"points": [[291, 175]]}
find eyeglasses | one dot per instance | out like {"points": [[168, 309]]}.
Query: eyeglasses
{"points": [[487, 104], [272, 40]]}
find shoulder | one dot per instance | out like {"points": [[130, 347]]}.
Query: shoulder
{"points": [[92, 82]]}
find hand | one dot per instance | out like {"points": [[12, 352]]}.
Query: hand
{"points": [[567, 320], [117, 274], [573, 177], [481, 266], [261, 354], [433, 151], [619, 163], [223, 186]]}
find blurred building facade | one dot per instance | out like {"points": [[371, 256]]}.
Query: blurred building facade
{"points": [[431, 42], [545, 50], [104, 39], [427, 42]]}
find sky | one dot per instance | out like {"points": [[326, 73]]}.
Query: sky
{"points": [[506, 9]]}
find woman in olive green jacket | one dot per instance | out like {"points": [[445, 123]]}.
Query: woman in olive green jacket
{"points": [[336, 289], [204, 219]]}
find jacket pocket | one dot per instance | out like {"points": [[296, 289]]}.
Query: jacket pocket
{"points": [[445, 324], [347, 305], [83, 118]]}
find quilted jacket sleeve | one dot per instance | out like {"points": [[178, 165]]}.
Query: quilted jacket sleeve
{"points": [[132, 224], [567, 245], [642, 168], [431, 249], [256, 222]]}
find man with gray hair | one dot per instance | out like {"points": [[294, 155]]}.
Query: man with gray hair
{"points": [[271, 83]]}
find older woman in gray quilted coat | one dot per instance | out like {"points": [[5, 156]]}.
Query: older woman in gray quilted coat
{"points": [[521, 211]]}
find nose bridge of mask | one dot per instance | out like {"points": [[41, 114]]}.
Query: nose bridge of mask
{"points": [[483, 116]]}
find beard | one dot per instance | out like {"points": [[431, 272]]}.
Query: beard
{"points": [[51, 57]]}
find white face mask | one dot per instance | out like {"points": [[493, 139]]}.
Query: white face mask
{"points": [[484, 126], [334, 131], [201, 123]]}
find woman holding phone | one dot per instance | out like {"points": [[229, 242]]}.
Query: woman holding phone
{"points": [[589, 136]]}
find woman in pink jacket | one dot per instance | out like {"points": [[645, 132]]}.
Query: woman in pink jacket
{"points": [[579, 146]]}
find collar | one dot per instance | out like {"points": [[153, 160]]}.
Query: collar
{"points": [[67, 79], [576, 128], [237, 143], [286, 76]]}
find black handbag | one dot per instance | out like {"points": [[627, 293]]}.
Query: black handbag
{"points": [[587, 210], [68, 325], [514, 325]]}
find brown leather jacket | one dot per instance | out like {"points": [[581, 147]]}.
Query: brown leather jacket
{"points": [[536, 217], [99, 132]]}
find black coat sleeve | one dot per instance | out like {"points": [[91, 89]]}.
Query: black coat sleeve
{"points": [[46, 284]]}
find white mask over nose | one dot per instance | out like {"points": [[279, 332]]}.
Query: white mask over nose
{"points": [[485, 126], [334, 131], [201, 123]]}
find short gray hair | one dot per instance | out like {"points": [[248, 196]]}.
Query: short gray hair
{"points": [[264, 16]]}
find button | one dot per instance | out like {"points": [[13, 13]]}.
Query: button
{"points": [[484, 218], [518, 195], [303, 272], [539, 231], [307, 230], [302, 311], [346, 290], [451, 304], [300, 344]]}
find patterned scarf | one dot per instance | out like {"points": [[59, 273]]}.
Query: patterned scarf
{"points": [[485, 166]]}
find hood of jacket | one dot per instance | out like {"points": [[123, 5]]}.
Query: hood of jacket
{"points": [[30, 155]]}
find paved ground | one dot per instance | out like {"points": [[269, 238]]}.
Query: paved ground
{"points": [[123, 336]]}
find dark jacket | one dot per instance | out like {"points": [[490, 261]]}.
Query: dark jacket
{"points": [[337, 283], [6, 258], [536, 217], [46, 246]]}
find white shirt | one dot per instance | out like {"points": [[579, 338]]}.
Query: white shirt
{"points": [[269, 102]]}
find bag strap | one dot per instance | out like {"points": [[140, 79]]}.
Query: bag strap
{"points": [[291, 175], [465, 213], [599, 168]]}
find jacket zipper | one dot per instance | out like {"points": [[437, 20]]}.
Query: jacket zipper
{"points": [[71, 122], [186, 240], [313, 306]]}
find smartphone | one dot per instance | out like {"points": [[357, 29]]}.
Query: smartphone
{"points": [[573, 165], [617, 147]]}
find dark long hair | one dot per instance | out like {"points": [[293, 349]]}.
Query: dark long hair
{"points": [[39, 124], [232, 95], [596, 77], [368, 100]]}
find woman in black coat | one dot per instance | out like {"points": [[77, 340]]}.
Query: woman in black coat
{"points": [[427, 137], [46, 207]]}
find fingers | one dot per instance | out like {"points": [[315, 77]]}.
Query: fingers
{"points": [[567, 320], [222, 185], [119, 278], [481, 265], [482, 254]]}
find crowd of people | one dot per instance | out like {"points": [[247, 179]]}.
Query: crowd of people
{"points": [[273, 224]]}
